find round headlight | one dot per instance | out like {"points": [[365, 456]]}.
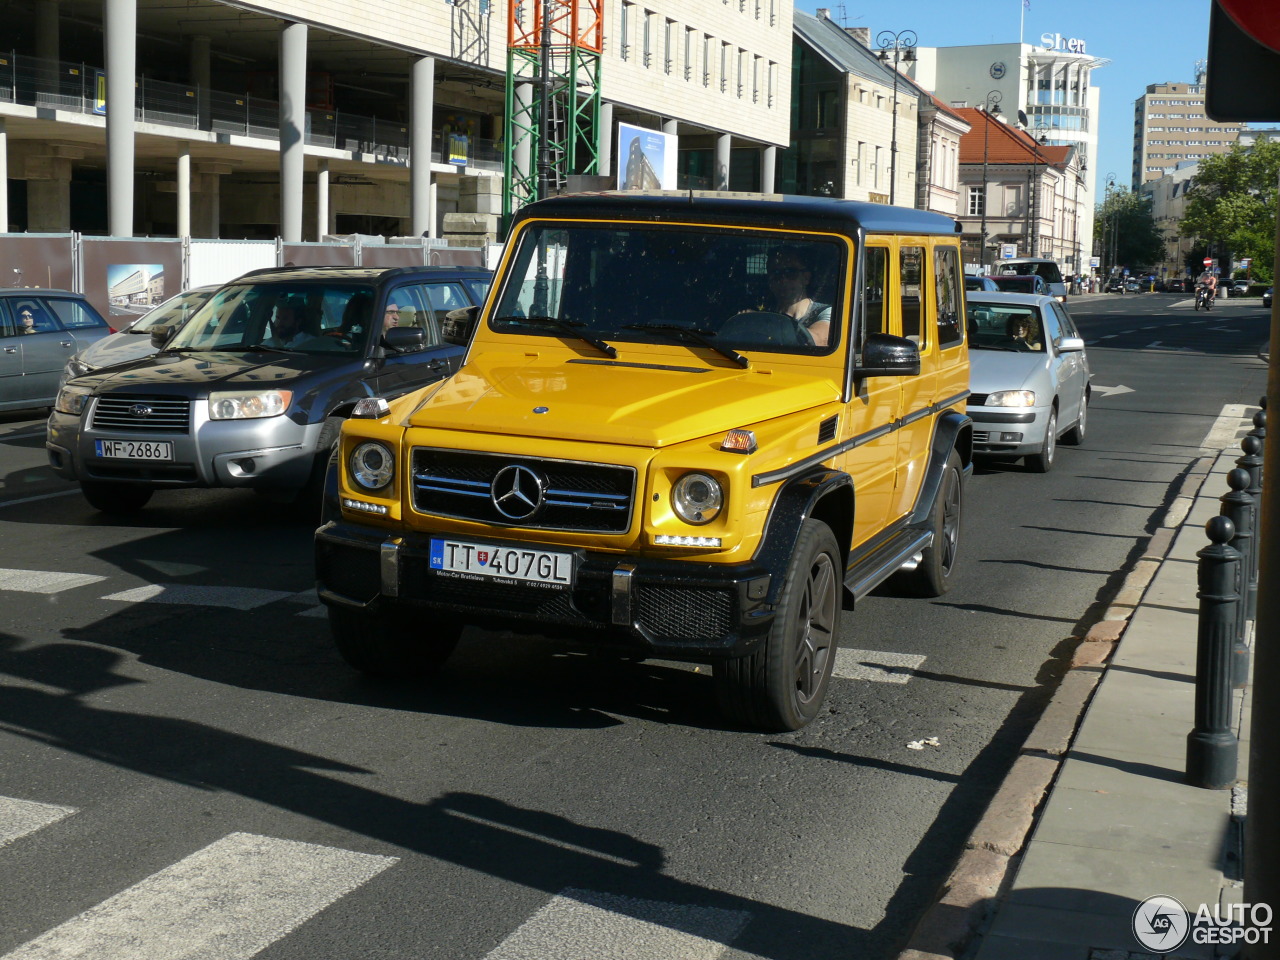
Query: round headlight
{"points": [[697, 498], [372, 465]]}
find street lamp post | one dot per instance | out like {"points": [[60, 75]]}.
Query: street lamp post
{"points": [[993, 110], [1036, 144], [1108, 262], [903, 44]]}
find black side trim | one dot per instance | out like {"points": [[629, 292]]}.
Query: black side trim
{"points": [[793, 505]]}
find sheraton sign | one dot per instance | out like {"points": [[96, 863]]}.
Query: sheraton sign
{"points": [[1056, 41]]}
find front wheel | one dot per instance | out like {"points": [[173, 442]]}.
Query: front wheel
{"points": [[1042, 462], [931, 577], [1075, 436], [115, 498], [393, 643], [781, 686]]}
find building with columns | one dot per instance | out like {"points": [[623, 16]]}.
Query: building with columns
{"points": [[302, 119]]}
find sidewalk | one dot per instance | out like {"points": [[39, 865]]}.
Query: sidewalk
{"points": [[1119, 825]]}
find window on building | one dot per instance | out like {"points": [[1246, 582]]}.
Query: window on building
{"points": [[724, 68], [668, 46], [648, 38], [977, 201], [875, 170], [706, 59], [772, 81], [755, 79], [688, 53], [773, 13], [858, 159], [624, 30], [742, 71]]}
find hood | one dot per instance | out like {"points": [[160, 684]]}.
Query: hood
{"points": [[649, 404], [117, 348], [992, 370], [196, 374]]}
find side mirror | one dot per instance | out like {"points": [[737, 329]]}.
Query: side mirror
{"points": [[884, 355], [161, 335], [1070, 345], [404, 339], [459, 325]]}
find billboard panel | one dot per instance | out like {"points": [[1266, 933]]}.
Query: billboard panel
{"points": [[646, 158]]}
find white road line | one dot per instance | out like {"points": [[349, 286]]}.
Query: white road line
{"points": [[875, 665], [228, 901], [589, 925], [236, 598], [20, 817], [43, 581], [1153, 344], [1225, 429], [1108, 336]]}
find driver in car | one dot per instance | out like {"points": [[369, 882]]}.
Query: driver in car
{"points": [[790, 273]]}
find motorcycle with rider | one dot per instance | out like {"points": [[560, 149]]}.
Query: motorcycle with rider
{"points": [[1206, 290]]}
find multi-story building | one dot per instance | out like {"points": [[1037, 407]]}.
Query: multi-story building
{"points": [[1168, 197], [1170, 128], [309, 117], [1046, 87]]}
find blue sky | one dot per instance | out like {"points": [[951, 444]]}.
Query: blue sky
{"points": [[1143, 49]]}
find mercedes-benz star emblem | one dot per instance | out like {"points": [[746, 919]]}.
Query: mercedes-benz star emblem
{"points": [[141, 410], [517, 492]]}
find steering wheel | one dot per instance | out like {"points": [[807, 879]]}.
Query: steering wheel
{"points": [[765, 326]]}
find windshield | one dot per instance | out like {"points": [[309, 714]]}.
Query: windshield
{"points": [[1046, 270], [1014, 327], [174, 312], [720, 288], [303, 317]]}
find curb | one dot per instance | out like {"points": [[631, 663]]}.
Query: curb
{"points": [[992, 853]]}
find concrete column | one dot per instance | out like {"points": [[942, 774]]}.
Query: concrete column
{"points": [[206, 212], [422, 82], [671, 127], [48, 195], [293, 124], [723, 143], [522, 160], [322, 199], [433, 206], [184, 190], [768, 167], [4, 178], [201, 73], [47, 36], [120, 40], [604, 149]]}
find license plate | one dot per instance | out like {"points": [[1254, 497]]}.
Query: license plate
{"points": [[488, 562], [134, 449]]}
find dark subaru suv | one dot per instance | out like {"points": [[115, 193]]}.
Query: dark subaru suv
{"points": [[251, 392]]}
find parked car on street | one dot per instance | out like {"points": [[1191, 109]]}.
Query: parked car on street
{"points": [[253, 390], [1026, 283], [1029, 378], [135, 340], [1239, 288], [974, 281], [39, 330], [1266, 297]]}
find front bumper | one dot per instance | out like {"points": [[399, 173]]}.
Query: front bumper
{"points": [[1008, 431], [673, 609], [268, 453]]}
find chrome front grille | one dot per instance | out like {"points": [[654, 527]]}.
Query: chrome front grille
{"points": [[571, 495], [151, 414]]}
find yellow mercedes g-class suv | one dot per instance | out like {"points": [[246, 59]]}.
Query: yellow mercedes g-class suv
{"points": [[686, 427]]}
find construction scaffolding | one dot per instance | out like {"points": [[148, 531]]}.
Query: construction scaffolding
{"points": [[554, 51]]}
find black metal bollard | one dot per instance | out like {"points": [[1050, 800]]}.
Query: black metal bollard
{"points": [[1239, 508], [1252, 461], [1211, 746], [1260, 429]]}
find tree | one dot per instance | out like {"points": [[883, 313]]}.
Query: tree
{"points": [[1126, 229], [1232, 204]]}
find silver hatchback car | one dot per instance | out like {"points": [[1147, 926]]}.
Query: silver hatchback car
{"points": [[1028, 377], [39, 331]]}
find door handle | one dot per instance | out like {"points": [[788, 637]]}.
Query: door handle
{"points": [[10, 349], [68, 343]]}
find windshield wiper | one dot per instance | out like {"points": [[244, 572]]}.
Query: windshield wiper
{"points": [[703, 337], [567, 327], [258, 348]]}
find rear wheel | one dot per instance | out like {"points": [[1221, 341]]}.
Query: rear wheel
{"points": [[116, 498], [781, 686], [1042, 462], [931, 577], [393, 643]]}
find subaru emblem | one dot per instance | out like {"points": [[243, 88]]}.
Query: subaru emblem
{"points": [[141, 410]]}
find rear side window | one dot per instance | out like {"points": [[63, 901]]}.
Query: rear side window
{"points": [[911, 286], [946, 272], [75, 314], [877, 268]]}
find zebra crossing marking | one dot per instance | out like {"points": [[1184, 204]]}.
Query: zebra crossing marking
{"points": [[236, 598], [585, 923], [230, 900], [877, 666], [21, 817], [43, 581]]}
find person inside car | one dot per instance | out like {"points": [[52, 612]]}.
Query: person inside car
{"points": [[27, 320], [1020, 332], [286, 327], [790, 274]]}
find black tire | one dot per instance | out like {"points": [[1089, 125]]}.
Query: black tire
{"points": [[931, 577], [115, 498], [308, 498], [393, 643], [1075, 436], [1042, 462], [781, 686]]}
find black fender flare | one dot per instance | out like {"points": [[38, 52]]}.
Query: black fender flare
{"points": [[821, 493], [952, 431]]}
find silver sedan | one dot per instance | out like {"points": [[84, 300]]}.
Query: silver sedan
{"points": [[1028, 378]]}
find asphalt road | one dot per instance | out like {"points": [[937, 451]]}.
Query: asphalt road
{"points": [[184, 758]]}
